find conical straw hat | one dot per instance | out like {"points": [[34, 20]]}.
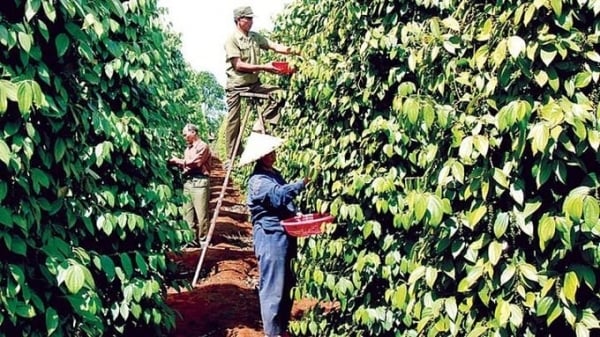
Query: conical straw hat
{"points": [[257, 146]]}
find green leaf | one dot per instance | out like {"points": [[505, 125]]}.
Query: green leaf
{"points": [[528, 271], [570, 285], [547, 56], [126, 264], [593, 56], [411, 109], [499, 54], [501, 178], [40, 178], [541, 77], [6, 217], [542, 171], [24, 310], [573, 206], [3, 99], [108, 267], [494, 252], [318, 277], [52, 320], [554, 80], [502, 312], [472, 276], [24, 96], [546, 230], [451, 23], [516, 45], [3, 192], [544, 305], [516, 315], [556, 6], [74, 278], [583, 79], [501, 224], [18, 246], [478, 331], [430, 276], [555, 312], [451, 307], [540, 134], [416, 274], [49, 10], [59, 149], [31, 8], [435, 209], [594, 139], [517, 191], [591, 211], [62, 44], [25, 40], [507, 274], [482, 144], [473, 217], [420, 205], [586, 274], [5, 153], [466, 148], [581, 330], [458, 171], [136, 310]]}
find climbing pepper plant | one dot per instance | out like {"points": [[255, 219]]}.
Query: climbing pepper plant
{"points": [[456, 144], [92, 100]]}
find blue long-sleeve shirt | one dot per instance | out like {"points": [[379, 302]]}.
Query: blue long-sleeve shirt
{"points": [[270, 199]]}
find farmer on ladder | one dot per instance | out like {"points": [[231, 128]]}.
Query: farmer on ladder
{"points": [[242, 50], [270, 200]]}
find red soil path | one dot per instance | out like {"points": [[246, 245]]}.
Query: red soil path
{"points": [[224, 302]]}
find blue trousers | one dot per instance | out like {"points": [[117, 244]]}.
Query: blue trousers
{"points": [[274, 251]]}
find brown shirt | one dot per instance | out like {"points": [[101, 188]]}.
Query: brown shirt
{"points": [[196, 159]]}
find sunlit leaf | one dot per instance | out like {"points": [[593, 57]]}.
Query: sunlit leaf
{"points": [[74, 278], [546, 230], [516, 45], [571, 284]]}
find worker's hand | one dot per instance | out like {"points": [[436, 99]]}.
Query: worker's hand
{"points": [[175, 161], [281, 68], [293, 51], [271, 68]]}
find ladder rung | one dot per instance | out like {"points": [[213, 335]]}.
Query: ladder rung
{"points": [[254, 95]]}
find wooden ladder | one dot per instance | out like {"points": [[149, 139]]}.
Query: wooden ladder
{"points": [[253, 100]]}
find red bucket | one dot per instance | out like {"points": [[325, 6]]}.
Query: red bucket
{"points": [[306, 224], [283, 67]]}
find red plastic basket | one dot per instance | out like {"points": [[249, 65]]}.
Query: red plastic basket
{"points": [[306, 224], [283, 66]]}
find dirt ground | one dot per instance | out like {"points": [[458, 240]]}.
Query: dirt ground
{"points": [[224, 302]]}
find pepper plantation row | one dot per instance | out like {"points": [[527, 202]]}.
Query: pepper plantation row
{"points": [[456, 143], [93, 97]]}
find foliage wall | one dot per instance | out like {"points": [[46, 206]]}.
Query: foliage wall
{"points": [[456, 143], [93, 95]]}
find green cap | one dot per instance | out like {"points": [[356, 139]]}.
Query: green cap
{"points": [[242, 11]]}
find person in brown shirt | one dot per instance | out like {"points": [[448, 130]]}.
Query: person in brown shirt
{"points": [[195, 167]]}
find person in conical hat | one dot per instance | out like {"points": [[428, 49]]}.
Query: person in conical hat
{"points": [[270, 200]]}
